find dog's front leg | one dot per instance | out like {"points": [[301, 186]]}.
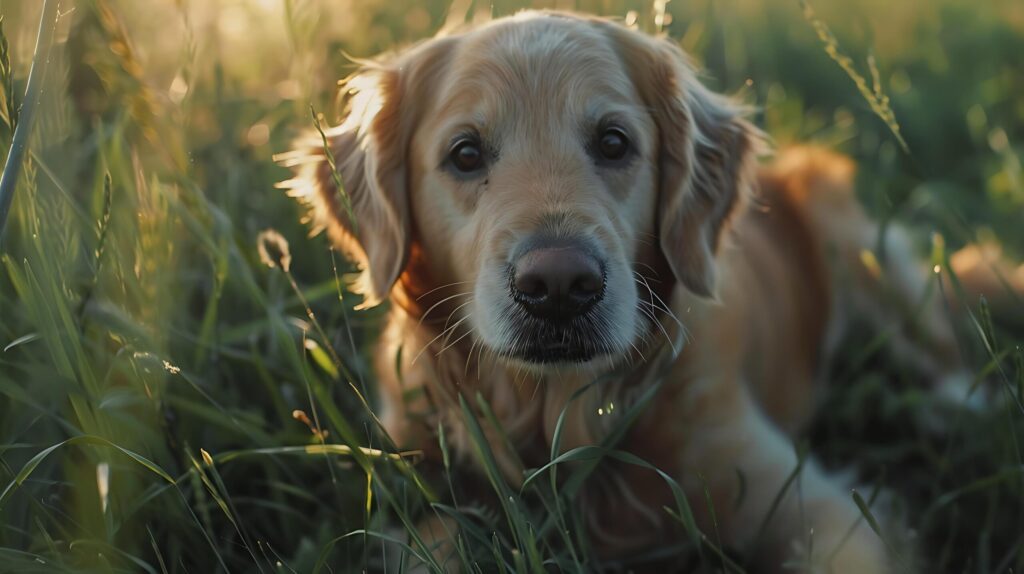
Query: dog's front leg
{"points": [[729, 448]]}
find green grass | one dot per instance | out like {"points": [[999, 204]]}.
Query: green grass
{"points": [[151, 365]]}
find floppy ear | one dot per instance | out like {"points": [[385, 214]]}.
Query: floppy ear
{"points": [[706, 157], [368, 151], [369, 217]]}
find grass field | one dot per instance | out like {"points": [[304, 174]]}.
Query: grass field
{"points": [[152, 368]]}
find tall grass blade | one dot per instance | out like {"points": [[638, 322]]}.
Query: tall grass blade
{"points": [[26, 116], [36, 460]]}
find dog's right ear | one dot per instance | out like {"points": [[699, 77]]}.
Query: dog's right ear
{"points": [[368, 217]]}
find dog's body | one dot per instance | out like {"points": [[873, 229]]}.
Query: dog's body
{"points": [[744, 382], [595, 146]]}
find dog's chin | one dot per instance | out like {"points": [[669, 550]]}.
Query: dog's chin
{"points": [[558, 354], [541, 352], [554, 360]]}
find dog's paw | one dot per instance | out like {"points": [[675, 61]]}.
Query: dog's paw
{"points": [[839, 540], [862, 553]]}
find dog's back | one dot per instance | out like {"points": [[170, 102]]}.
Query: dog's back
{"points": [[807, 262]]}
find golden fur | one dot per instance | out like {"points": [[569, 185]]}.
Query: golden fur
{"points": [[759, 285]]}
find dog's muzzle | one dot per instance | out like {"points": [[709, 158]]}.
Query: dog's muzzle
{"points": [[556, 286]]}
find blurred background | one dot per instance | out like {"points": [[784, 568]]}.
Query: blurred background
{"points": [[139, 326]]}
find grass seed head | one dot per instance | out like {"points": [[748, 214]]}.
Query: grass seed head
{"points": [[273, 250]]}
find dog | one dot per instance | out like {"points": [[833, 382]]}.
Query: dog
{"points": [[550, 198]]}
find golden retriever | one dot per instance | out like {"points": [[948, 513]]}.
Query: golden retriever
{"points": [[549, 198]]}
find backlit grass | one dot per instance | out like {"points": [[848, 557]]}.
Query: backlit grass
{"points": [[174, 400]]}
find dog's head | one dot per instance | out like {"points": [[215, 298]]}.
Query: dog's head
{"points": [[545, 167]]}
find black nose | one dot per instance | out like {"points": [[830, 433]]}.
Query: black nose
{"points": [[557, 282]]}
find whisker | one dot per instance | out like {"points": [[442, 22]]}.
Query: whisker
{"points": [[479, 360], [653, 270], [536, 389], [469, 356], [451, 330], [432, 341], [664, 306], [452, 314], [435, 305], [671, 315], [642, 357], [442, 287], [660, 326], [453, 343]]}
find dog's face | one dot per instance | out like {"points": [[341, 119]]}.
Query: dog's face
{"points": [[545, 168], [534, 184]]}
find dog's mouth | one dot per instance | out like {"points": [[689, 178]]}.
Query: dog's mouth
{"points": [[544, 342]]}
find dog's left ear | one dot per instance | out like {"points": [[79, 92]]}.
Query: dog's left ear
{"points": [[706, 157]]}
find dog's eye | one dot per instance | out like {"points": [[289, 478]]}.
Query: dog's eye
{"points": [[613, 144], [466, 156]]}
